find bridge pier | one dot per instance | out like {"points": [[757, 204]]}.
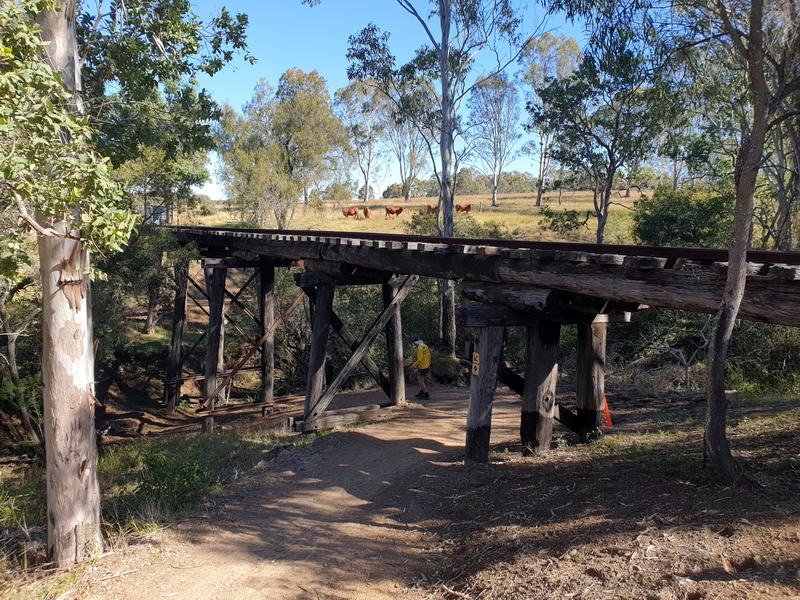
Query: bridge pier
{"points": [[539, 392], [590, 375], [537, 388], [266, 321], [483, 382]]}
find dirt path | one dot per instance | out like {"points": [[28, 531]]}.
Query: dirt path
{"points": [[344, 518]]}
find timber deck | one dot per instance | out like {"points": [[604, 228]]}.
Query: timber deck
{"points": [[681, 278]]}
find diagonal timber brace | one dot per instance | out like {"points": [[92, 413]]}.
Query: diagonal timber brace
{"points": [[328, 395], [340, 329]]}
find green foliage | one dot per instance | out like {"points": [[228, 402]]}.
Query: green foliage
{"points": [[684, 218], [423, 223], [395, 190], [148, 483], [47, 164], [285, 142], [205, 205], [562, 222]]}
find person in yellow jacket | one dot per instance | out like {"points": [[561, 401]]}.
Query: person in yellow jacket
{"points": [[422, 365]]}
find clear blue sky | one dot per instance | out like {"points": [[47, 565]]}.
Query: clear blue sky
{"points": [[286, 34]]}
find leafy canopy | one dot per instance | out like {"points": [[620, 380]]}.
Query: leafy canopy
{"points": [[48, 167]]}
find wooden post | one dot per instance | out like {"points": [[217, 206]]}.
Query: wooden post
{"points": [[539, 393], [172, 385], [394, 347], [320, 326], [215, 274], [590, 366], [266, 316], [485, 363]]}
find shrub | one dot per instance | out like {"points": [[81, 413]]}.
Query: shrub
{"points": [[423, 223], [562, 222], [684, 218]]}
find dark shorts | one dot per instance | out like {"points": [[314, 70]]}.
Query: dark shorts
{"points": [[423, 372]]}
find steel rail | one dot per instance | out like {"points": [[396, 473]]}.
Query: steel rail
{"points": [[668, 252]]}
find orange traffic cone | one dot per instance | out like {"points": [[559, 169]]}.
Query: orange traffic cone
{"points": [[607, 414]]}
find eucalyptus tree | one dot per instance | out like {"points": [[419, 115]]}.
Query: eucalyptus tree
{"points": [[280, 147], [362, 111], [408, 147], [608, 112], [52, 174], [62, 191], [456, 33], [494, 126], [546, 58], [763, 39]]}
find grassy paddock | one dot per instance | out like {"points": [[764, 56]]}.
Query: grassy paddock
{"points": [[516, 215]]}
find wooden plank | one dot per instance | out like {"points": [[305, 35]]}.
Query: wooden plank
{"points": [[534, 299], [697, 289], [394, 346], [266, 320], [590, 364], [493, 315], [172, 386], [343, 417], [320, 326], [327, 397], [485, 363], [215, 275], [539, 393]]}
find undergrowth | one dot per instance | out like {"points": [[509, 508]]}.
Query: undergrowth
{"points": [[146, 484]]}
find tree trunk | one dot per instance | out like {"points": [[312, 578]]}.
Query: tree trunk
{"points": [[748, 163], [539, 193], [495, 186], [446, 152], [602, 215], [73, 493], [152, 311]]}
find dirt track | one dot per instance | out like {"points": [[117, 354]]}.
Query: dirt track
{"points": [[388, 510], [341, 519]]}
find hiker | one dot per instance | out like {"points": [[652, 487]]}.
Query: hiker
{"points": [[422, 365]]}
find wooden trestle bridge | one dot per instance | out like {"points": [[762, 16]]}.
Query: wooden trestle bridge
{"points": [[537, 285]]}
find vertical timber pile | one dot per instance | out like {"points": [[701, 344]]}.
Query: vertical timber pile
{"points": [[320, 326], [539, 394], [215, 274], [590, 366], [394, 347], [266, 316], [485, 363], [172, 387]]}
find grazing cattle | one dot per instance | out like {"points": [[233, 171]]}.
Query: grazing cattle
{"points": [[367, 212], [350, 211], [393, 211], [465, 208], [433, 209]]}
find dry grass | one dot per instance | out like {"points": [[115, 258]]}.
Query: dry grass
{"points": [[634, 515], [516, 213]]}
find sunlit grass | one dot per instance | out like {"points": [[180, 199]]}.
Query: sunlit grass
{"points": [[516, 213]]}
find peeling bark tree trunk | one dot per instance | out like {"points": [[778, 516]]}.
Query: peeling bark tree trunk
{"points": [[73, 493]]}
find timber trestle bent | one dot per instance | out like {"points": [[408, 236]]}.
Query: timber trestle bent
{"points": [[536, 285]]}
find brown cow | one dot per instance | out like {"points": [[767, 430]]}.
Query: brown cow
{"points": [[350, 211], [393, 211], [465, 208], [367, 212], [433, 209]]}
